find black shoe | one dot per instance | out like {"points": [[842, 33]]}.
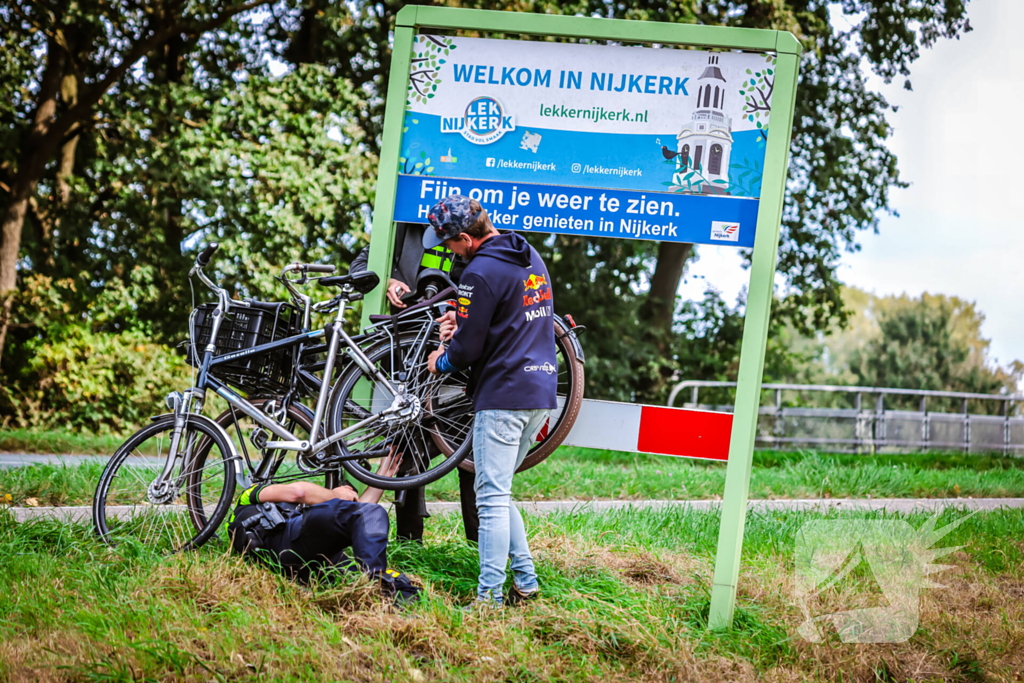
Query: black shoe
{"points": [[399, 588], [517, 597]]}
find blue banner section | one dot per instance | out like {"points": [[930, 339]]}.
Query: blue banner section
{"points": [[527, 207], [645, 162]]}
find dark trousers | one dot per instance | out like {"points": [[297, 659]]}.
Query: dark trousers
{"points": [[314, 540], [409, 518]]}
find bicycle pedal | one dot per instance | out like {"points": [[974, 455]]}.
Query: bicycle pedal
{"points": [[259, 438]]}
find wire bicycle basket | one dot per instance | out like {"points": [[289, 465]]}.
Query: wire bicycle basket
{"points": [[245, 328]]}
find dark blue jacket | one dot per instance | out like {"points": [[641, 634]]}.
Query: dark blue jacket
{"points": [[506, 333]]}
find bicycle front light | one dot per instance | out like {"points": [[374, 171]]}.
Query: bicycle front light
{"points": [[173, 400]]}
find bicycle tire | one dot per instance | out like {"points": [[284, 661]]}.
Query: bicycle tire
{"points": [[131, 448], [342, 398], [565, 420]]}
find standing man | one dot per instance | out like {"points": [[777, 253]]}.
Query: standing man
{"points": [[410, 259], [506, 337]]}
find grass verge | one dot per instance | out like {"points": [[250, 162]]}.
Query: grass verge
{"points": [[578, 473], [625, 598]]}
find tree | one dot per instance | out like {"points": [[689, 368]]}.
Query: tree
{"points": [[87, 48], [932, 342], [197, 142]]}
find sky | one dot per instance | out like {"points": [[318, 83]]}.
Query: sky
{"points": [[959, 229]]}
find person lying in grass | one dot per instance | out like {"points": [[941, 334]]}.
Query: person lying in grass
{"points": [[302, 529]]}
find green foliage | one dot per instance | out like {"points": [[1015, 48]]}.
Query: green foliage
{"points": [[276, 174], [930, 342], [98, 371]]}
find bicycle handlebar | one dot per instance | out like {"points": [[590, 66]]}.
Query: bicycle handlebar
{"points": [[203, 259], [306, 268]]}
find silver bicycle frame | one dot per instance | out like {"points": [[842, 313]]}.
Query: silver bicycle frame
{"points": [[338, 335]]}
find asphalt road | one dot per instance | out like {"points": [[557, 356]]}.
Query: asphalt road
{"points": [[25, 459]]}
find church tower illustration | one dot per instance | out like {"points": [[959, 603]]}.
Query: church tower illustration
{"points": [[705, 143]]}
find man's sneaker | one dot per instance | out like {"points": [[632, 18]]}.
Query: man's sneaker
{"points": [[517, 597], [399, 588]]}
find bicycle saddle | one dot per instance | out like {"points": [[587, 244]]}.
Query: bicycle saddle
{"points": [[447, 293], [361, 282]]}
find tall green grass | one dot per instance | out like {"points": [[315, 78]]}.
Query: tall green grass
{"points": [[625, 597]]}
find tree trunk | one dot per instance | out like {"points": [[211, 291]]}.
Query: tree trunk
{"points": [[33, 163], [173, 70], [661, 300], [657, 312], [65, 170]]}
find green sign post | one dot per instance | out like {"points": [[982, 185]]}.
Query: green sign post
{"points": [[786, 51]]}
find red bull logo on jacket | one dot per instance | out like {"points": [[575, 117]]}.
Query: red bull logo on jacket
{"points": [[535, 281], [531, 299]]}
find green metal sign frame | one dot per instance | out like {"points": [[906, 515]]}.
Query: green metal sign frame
{"points": [[765, 253]]}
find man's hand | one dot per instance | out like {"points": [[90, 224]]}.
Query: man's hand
{"points": [[396, 288], [389, 465], [345, 492], [432, 358], [387, 468], [448, 325]]}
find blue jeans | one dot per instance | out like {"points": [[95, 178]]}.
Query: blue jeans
{"points": [[501, 439]]}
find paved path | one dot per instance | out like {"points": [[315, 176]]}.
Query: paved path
{"points": [[902, 505], [24, 459]]}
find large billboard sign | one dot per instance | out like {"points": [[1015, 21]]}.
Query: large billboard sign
{"points": [[635, 142], [666, 143]]}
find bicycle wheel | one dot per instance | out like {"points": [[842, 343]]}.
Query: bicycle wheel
{"points": [[133, 499], [570, 398], [439, 402]]}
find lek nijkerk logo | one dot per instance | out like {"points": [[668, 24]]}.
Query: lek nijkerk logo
{"points": [[484, 122]]}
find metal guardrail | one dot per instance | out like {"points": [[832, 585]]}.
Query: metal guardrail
{"points": [[877, 429]]}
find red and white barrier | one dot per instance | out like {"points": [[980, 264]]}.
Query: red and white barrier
{"points": [[652, 429]]}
